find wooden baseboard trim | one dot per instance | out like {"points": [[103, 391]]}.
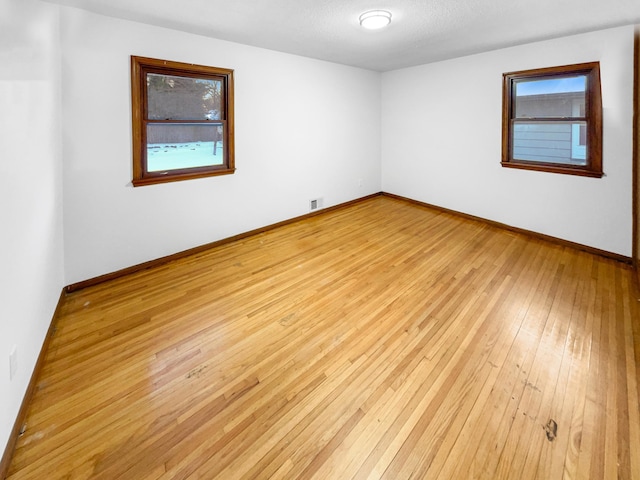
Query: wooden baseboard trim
{"points": [[199, 249], [530, 233], [162, 260], [26, 400]]}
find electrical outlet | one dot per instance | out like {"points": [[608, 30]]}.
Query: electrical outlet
{"points": [[359, 182], [13, 362]]}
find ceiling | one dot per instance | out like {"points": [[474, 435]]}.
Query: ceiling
{"points": [[421, 31]]}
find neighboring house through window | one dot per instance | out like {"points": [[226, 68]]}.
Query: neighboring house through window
{"points": [[182, 121], [552, 120]]}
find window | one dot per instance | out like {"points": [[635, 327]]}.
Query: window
{"points": [[552, 120], [182, 121]]}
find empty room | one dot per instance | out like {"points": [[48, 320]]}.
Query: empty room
{"points": [[295, 239]]}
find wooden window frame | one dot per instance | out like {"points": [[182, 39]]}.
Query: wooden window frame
{"points": [[592, 116], [140, 67]]}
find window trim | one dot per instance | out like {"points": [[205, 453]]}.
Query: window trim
{"points": [[140, 67], [593, 117]]}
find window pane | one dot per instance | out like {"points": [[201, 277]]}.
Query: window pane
{"points": [[551, 98], [171, 97], [549, 142], [178, 146]]}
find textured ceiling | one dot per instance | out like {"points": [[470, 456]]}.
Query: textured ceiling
{"points": [[422, 31]]}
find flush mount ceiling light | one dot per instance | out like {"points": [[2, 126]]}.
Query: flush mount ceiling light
{"points": [[375, 19]]}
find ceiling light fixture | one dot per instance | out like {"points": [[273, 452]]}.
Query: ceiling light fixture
{"points": [[375, 19]]}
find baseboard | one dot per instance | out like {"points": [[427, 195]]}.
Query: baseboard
{"points": [[162, 260], [26, 400], [541, 236]]}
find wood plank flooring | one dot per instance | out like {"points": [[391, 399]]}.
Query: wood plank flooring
{"points": [[383, 340]]}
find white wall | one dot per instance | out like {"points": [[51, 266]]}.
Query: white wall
{"points": [[31, 254], [304, 129], [442, 136]]}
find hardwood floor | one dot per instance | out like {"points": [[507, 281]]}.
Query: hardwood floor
{"points": [[383, 340]]}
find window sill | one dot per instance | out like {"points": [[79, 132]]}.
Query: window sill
{"points": [[152, 180], [554, 169]]}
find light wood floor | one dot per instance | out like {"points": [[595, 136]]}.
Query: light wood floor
{"points": [[383, 340]]}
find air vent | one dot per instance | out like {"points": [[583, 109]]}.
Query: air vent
{"points": [[315, 204]]}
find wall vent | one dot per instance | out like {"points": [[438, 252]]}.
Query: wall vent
{"points": [[315, 204]]}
